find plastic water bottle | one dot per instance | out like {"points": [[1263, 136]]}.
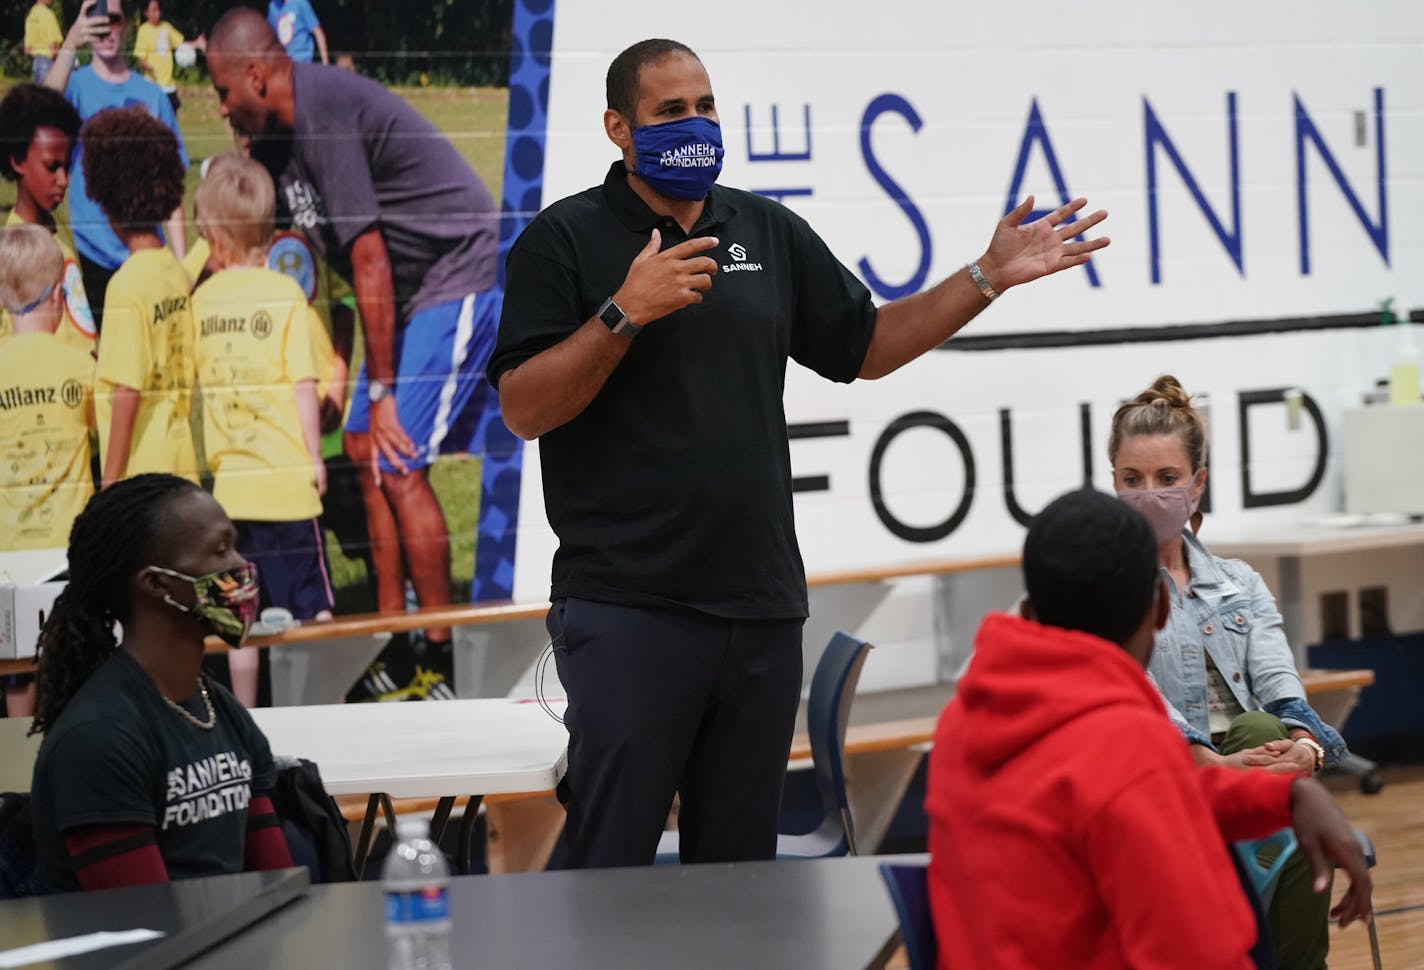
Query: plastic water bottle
{"points": [[416, 881]]}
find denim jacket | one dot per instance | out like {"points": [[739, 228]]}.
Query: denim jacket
{"points": [[1227, 611]]}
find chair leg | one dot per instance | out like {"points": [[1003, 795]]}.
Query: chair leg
{"points": [[849, 832]]}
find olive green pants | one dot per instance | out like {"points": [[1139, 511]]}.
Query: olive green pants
{"points": [[1300, 917]]}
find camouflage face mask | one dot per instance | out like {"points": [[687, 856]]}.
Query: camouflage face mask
{"points": [[224, 601]]}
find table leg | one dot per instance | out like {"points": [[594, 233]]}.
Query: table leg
{"points": [[441, 818], [467, 832], [363, 842], [1290, 599]]}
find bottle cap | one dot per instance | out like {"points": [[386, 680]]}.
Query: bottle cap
{"points": [[412, 828], [275, 619]]}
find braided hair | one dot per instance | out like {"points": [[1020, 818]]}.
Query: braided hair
{"points": [[111, 539]]}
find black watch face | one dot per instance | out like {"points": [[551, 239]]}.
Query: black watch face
{"points": [[611, 315]]}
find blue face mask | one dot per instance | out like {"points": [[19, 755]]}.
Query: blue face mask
{"points": [[681, 159]]}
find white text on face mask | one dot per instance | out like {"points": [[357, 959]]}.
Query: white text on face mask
{"points": [[689, 156]]}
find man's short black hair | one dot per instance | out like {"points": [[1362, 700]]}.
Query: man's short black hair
{"points": [[1090, 564], [25, 108], [627, 67]]}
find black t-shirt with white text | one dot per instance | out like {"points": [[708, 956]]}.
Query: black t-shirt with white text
{"points": [[673, 487], [118, 754]]}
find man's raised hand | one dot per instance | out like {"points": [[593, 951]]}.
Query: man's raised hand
{"points": [[659, 283], [1020, 253]]}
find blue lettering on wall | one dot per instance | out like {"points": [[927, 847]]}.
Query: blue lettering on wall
{"points": [[885, 104], [1036, 133], [1156, 137], [1305, 130], [776, 154]]}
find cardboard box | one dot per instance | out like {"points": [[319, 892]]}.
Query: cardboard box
{"points": [[23, 608], [1384, 459]]}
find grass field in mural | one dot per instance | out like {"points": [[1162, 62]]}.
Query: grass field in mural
{"points": [[474, 121]]}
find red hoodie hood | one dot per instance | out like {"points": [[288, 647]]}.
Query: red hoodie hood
{"points": [[1027, 679]]}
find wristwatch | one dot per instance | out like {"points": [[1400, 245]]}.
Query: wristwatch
{"points": [[376, 391], [617, 321]]}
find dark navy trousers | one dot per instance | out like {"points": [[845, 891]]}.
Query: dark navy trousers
{"points": [[667, 701]]}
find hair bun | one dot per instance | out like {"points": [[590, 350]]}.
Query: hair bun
{"points": [[1166, 391]]}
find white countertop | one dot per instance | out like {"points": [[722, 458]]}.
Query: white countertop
{"points": [[1312, 539]]}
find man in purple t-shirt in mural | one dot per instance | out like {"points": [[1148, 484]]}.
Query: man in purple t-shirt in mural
{"points": [[393, 207]]}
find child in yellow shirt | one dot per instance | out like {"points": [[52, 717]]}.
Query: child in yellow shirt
{"points": [[144, 386], [290, 253], [154, 45], [261, 416], [38, 132], [42, 39], [46, 411], [46, 399]]}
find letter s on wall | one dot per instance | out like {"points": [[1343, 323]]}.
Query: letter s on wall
{"points": [[883, 104]]}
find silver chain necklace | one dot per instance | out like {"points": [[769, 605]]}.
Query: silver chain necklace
{"points": [[207, 702]]}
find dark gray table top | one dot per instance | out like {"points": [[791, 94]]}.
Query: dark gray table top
{"points": [[824, 913], [194, 914]]}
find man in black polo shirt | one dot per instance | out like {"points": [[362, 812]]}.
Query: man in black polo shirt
{"points": [[678, 589]]}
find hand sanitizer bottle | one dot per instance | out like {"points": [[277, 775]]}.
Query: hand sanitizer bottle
{"points": [[1404, 367]]}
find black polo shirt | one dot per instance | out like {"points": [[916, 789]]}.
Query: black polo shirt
{"points": [[673, 487]]}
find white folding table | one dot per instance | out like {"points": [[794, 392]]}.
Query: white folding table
{"points": [[444, 749]]}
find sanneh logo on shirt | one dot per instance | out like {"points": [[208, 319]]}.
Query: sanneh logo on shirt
{"points": [[738, 253], [207, 788]]}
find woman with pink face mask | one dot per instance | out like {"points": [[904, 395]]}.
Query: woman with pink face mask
{"points": [[1222, 662]]}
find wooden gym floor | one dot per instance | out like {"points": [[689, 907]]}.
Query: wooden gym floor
{"points": [[1394, 821]]}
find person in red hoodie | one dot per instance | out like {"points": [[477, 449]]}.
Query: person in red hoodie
{"points": [[1068, 825]]}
